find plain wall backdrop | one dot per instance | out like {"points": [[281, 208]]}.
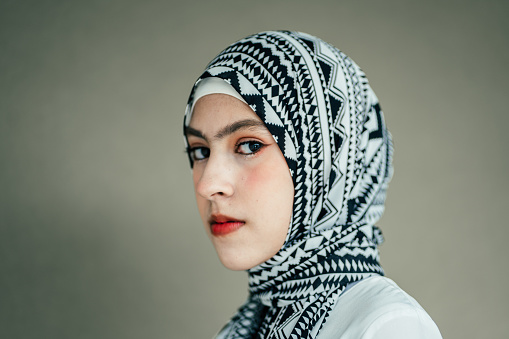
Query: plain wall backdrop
{"points": [[99, 233]]}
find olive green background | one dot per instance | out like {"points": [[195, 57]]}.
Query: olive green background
{"points": [[99, 234]]}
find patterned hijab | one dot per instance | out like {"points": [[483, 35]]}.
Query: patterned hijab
{"points": [[324, 116]]}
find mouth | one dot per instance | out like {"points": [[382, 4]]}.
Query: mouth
{"points": [[222, 225]]}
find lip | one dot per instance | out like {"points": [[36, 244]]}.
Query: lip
{"points": [[223, 224]]}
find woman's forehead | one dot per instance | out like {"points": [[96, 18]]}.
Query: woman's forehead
{"points": [[208, 86], [219, 105], [219, 115]]}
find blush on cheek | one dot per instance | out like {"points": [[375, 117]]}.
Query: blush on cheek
{"points": [[268, 179], [260, 175]]}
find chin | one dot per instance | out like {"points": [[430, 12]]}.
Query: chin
{"points": [[236, 263]]}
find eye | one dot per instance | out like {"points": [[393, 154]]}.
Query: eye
{"points": [[249, 147], [199, 153]]}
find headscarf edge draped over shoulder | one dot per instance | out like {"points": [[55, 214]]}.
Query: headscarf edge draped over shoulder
{"points": [[327, 121]]}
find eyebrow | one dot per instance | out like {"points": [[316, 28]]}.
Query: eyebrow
{"points": [[226, 130]]}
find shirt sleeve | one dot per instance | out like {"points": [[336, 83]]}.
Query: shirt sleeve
{"points": [[403, 324]]}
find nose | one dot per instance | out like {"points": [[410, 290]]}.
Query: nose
{"points": [[216, 179]]}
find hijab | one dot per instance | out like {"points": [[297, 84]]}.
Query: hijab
{"points": [[328, 124]]}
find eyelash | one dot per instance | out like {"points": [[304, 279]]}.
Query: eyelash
{"points": [[192, 151]]}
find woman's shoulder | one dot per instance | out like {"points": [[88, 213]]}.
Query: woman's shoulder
{"points": [[377, 308]]}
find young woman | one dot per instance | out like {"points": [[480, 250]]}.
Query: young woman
{"points": [[291, 160]]}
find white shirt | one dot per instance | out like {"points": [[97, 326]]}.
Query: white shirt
{"points": [[377, 308]]}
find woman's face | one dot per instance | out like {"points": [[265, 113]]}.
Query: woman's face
{"points": [[242, 183]]}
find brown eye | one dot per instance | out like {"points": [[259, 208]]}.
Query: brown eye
{"points": [[249, 147]]}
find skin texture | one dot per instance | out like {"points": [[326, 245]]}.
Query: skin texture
{"points": [[239, 174]]}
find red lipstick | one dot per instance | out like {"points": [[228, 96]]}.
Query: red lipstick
{"points": [[222, 225]]}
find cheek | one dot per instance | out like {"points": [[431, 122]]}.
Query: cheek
{"points": [[256, 176], [260, 179], [270, 186]]}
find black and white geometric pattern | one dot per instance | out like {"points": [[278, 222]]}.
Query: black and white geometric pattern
{"points": [[319, 107]]}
